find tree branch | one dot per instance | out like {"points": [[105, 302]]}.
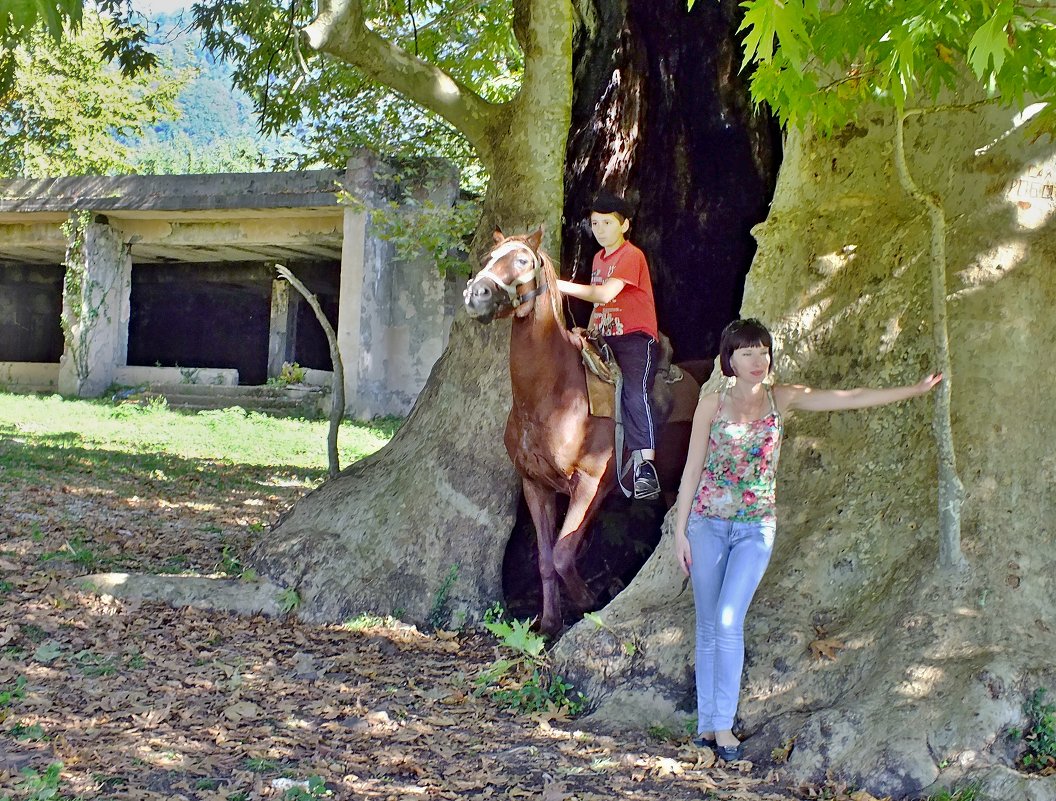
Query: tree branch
{"points": [[340, 30], [951, 490], [916, 112], [337, 391]]}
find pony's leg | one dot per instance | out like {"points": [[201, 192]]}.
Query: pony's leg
{"points": [[583, 504], [542, 504]]}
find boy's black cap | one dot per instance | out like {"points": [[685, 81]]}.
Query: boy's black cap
{"points": [[606, 202]]}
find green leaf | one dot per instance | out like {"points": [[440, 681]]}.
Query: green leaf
{"points": [[990, 42], [761, 31], [518, 635], [595, 618], [780, 21]]}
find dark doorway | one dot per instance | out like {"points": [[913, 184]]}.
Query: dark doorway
{"points": [[201, 315], [30, 311], [661, 114], [306, 341]]}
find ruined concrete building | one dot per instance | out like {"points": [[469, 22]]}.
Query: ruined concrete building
{"points": [[171, 280]]}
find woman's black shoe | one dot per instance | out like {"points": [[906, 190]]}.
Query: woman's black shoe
{"points": [[729, 753]]}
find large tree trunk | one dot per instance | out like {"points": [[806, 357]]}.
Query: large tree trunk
{"points": [[385, 535], [419, 530], [930, 668], [662, 114]]}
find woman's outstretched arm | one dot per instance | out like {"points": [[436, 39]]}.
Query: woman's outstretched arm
{"points": [[795, 396]]}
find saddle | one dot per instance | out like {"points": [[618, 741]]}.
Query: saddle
{"points": [[603, 374]]}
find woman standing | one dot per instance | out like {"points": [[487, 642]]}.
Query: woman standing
{"points": [[724, 517]]}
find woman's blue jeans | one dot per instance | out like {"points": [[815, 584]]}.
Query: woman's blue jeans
{"points": [[729, 560]]}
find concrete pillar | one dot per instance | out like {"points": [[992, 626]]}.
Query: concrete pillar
{"points": [[394, 313], [279, 334], [418, 323], [95, 309], [359, 183]]}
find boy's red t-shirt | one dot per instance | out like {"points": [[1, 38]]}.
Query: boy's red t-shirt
{"points": [[634, 309]]}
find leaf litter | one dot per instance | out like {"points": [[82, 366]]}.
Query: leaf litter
{"points": [[142, 701]]}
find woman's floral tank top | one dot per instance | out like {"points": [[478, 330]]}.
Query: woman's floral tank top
{"points": [[738, 481]]}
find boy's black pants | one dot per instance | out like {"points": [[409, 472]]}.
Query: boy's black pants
{"points": [[636, 353]]}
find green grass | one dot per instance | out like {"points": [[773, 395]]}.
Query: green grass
{"points": [[48, 434], [968, 793]]}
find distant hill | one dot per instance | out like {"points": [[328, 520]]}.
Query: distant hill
{"points": [[217, 130]]}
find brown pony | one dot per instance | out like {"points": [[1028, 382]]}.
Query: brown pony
{"points": [[552, 439]]}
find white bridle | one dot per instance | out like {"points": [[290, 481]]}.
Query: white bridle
{"points": [[522, 279]]}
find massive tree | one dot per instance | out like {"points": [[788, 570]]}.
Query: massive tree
{"points": [[872, 658], [658, 112], [915, 199]]}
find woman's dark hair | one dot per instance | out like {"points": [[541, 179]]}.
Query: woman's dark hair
{"points": [[747, 333]]}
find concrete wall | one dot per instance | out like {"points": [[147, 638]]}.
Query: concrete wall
{"points": [[97, 309], [29, 376], [394, 317], [167, 376], [403, 322]]}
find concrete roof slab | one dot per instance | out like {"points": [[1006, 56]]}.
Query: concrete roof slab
{"points": [[180, 218], [283, 190]]}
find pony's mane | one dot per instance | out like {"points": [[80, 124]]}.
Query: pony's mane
{"points": [[550, 276]]}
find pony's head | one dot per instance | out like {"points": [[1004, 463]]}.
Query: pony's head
{"points": [[511, 276]]}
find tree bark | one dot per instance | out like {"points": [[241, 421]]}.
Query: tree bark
{"points": [[929, 669], [677, 133], [383, 536], [662, 114], [386, 534]]}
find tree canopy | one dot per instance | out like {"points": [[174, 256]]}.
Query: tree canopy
{"points": [[823, 63], [331, 106], [64, 112]]}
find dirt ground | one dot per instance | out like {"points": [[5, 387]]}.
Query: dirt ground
{"points": [[142, 701]]}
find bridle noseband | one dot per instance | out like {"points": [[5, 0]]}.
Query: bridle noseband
{"points": [[523, 278]]}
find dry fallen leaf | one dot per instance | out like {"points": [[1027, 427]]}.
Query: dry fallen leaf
{"points": [[242, 710], [553, 790], [665, 766], [863, 795], [154, 703], [780, 755], [826, 648]]}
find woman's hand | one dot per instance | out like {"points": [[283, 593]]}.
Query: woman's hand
{"points": [[928, 383], [683, 553]]}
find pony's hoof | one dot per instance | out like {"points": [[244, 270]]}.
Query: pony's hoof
{"points": [[548, 628]]}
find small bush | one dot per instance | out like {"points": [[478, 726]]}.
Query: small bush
{"points": [[525, 683], [1040, 734]]}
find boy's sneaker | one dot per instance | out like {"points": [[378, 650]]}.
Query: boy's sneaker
{"points": [[646, 484]]}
